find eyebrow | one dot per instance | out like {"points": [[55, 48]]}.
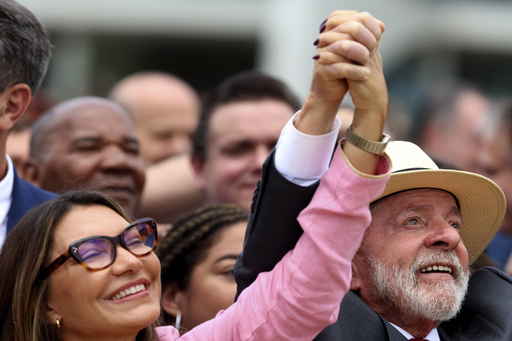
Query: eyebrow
{"points": [[85, 139], [95, 139], [226, 257]]}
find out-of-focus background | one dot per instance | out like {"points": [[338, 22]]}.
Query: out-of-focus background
{"points": [[96, 42]]}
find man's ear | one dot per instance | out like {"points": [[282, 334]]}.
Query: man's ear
{"points": [[171, 296], [31, 171], [355, 282], [198, 167], [14, 103]]}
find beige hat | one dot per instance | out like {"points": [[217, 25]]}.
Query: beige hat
{"points": [[482, 202]]}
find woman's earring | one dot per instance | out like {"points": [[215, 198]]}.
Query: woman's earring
{"points": [[177, 324], [58, 323]]}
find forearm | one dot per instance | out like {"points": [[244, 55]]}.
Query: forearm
{"points": [[272, 229], [170, 190]]}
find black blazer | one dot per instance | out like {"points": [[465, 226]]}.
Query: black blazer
{"points": [[273, 230]]}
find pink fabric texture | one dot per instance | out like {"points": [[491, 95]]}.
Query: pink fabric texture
{"points": [[301, 296]]}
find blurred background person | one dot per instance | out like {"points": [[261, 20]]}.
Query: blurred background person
{"points": [[197, 258], [495, 162], [164, 109], [87, 143], [240, 123], [449, 120]]}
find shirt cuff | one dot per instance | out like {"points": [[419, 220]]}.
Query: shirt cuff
{"points": [[301, 158]]}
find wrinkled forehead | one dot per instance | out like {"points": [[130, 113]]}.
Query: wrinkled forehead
{"points": [[429, 194], [93, 115]]}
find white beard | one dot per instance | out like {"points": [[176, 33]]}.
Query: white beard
{"points": [[439, 301]]}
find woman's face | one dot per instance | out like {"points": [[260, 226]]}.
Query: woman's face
{"points": [[212, 285], [82, 300]]}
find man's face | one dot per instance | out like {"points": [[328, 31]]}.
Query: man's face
{"points": [[164, 125], [495, 162], [241, 135], [413, 264], [93, 148]]}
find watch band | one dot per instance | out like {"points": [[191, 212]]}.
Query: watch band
{"points": [[370, 146]]}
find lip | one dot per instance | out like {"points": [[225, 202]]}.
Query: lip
{"points": [[139, 294]]}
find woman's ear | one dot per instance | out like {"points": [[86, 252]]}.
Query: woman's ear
{"points": [[53, 315], [171, 299]]}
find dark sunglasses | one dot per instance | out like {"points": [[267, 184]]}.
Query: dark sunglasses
{"points": [[99, 252]]}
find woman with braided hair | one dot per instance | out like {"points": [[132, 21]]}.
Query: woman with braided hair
{"points": [[197, 258]]}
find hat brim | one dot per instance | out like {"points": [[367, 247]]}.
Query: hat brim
{"points": [[482, 202]]}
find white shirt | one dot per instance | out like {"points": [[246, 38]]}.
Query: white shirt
{"points": [[6, 185], [432, 336], [313, 161], [307, 169]]}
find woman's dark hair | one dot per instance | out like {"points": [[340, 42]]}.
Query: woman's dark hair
{"points": [[24, 256], [189, 240]]}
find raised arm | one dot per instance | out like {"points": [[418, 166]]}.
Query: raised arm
{"points": [[347, 59], [302, 294]]}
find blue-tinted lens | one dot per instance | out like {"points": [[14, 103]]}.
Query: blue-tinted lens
{"points": [[140, 239], [96, 253]]}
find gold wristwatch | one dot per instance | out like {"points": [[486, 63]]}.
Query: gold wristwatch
{"points": [[370, 146]]}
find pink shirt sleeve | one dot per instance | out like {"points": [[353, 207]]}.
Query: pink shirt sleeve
{"points": [[301, 296]]}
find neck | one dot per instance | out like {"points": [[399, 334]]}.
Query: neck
{"points": [[73, 337], [3, 166]]}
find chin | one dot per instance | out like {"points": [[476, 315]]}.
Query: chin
{"points": [[141, 318]]}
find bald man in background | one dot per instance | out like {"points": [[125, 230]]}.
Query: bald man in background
{"points": [[87, 143], [164, 110]]}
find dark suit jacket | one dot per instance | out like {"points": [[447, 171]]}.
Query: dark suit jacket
{"points": [[24, 197], [273, 230]]}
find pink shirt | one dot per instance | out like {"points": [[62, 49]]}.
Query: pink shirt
{"points": [[301, 296]]}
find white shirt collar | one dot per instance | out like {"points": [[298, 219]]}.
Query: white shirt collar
{"points": [[6, 185], [432, 336]]}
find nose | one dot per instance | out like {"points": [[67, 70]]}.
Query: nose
{"points": [[115, 157], [443, 236], [125, 262]]}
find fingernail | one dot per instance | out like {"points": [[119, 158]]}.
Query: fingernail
{"points": [[316, 41], [323, 22], [322, 28], [316, 57]]}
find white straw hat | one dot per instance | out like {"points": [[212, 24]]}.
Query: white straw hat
{"points": [[482, 203]]}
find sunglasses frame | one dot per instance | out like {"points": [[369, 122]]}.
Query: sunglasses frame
{"points": [[72, 251]]}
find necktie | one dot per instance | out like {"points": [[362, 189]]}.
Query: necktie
{"points": [[418, 339]]}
